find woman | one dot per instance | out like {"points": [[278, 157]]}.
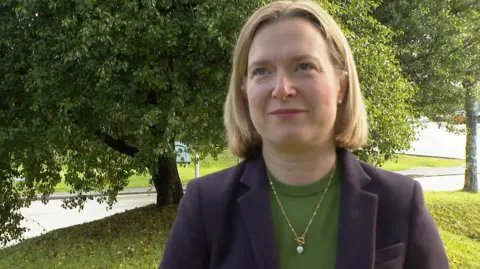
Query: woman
{"points": [[300, 199]]}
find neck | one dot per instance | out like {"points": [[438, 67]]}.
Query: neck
{"points": [[299, 168]]}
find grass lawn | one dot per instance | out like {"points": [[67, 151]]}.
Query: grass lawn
{"points": [[457, 215], [406, 162], [225, 160], [136, 238]]}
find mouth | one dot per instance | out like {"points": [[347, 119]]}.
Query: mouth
{"points": [[286, 113]]}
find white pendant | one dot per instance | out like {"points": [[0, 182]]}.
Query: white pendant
{"points": [[300, 249]]}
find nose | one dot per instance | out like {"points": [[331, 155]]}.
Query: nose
{"points": [[284, 87]]}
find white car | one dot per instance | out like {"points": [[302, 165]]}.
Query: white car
{"points": [[423, 119]]}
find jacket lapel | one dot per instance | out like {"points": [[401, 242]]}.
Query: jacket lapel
{"points": [[357, 218], [255, 209]]}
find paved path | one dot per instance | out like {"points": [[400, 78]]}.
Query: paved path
{"points": [[442, 183], [434, 172], [40, 218], [435, 141]]}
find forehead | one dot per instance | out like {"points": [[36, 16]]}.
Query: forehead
{"points": [[286, 39]]}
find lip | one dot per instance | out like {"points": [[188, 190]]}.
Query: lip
{"points": [[287, 113]]}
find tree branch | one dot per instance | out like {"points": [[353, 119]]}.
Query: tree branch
{"points": [[116, 144]]}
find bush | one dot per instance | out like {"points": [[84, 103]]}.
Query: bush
{"points": [[457, 119]]}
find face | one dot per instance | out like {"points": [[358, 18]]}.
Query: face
{"points": [[291, 85]]}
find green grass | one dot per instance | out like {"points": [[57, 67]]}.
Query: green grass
{"points": [[225, 160], [136, 238], [133, 239], [405, 162], [457, 215]]}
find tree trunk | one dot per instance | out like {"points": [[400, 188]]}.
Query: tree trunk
{"points": [[471, 180], [167, 181]]}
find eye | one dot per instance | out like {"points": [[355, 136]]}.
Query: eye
{"points": [[259, 72], [304, 67]]}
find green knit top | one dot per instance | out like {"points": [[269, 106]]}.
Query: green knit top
{"points": [[299, 203]]}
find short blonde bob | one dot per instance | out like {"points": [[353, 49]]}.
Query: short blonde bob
{"points": [[351, 129]]}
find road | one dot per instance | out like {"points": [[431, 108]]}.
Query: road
{"points": [[435, 141], [442, 183], [40, 218]]}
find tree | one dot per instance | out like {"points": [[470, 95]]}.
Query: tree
{"points": [[99, 90], [439, 52], [471, 174], [386, 91]]}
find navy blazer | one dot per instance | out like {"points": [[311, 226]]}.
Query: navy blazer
{"points": [[224, 222]]}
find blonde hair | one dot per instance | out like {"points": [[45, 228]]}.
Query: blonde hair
{"points": [[351, 129]]}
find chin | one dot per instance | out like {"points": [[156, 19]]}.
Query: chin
{"points": [[289, 138]]}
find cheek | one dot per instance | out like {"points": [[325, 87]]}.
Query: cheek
{"points": [[257, 99], [319, 93], [256, 108]]}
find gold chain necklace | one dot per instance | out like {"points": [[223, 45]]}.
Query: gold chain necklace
{"points": [[301, 239]]}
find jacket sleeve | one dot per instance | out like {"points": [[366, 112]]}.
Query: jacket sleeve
{"points": [[186, 247], [425, 248]]}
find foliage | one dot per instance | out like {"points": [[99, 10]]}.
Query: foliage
{"points": [[438, 47], [104, 88], [457, 119], [440, 50], [136, 238], [385, 90]]}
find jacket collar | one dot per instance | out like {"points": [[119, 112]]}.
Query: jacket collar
{"points": [[357, 216], [256, 212]]}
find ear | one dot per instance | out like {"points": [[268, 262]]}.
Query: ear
{"points": [[243, 87], [344, 85]]}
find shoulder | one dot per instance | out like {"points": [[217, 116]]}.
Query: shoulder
{"points": [[390, 187], [218, 185], [386, 178], [212, 195], [398, 198]]}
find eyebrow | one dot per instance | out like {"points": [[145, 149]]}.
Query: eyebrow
{"points": [[296, 58], [257, 63]]}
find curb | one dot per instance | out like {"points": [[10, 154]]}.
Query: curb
{"points": [[62, 197], [93, 195], [430, 156], [425, 176]]}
